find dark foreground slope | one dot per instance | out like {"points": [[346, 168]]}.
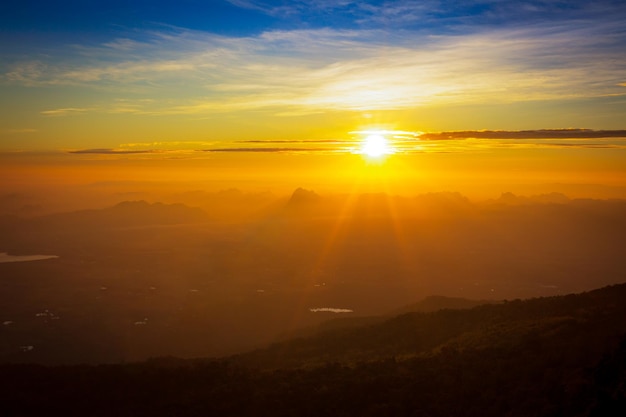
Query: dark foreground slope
{"points": [[569, 324], [558, 356]]}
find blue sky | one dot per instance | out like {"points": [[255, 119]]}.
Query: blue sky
{"points": [[99, 16], [246, 17]]}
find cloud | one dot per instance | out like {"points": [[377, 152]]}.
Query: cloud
{"points": [[297, 141], [583, 146], [270, 150], [64, 112], [184, 72], [286, 8], [110, 151], [167, 145], [27, 73], [477, 141], [426, 13], [525, 134], [167, 149]]}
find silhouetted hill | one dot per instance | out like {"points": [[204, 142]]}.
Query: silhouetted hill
{"points": [[125, 214], [63, 233], [509, 198], [428, 304], [556, 356], [440, 302], [301, 203], [593, 318], [301, 196]]}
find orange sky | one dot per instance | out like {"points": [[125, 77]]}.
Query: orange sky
{"points": [[477, 168], [259, 96]]}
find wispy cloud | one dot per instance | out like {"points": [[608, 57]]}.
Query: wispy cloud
{"points": [[169, 145], [399, 142], [525, 134], [64, 111], [422, 13], [287, 72], [110, 151], [297, 141], [271, 150]]}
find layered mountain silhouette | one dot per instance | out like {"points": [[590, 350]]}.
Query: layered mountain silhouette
{"points": [[123, 214], [128, 213]]}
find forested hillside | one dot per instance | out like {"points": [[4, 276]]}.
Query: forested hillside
{"points": [[556, 356]]}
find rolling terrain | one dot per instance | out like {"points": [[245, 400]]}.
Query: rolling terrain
{"points": [[552, 356], [139, 280]]}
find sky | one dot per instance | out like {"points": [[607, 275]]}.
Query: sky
{"points": [[89, 79]]}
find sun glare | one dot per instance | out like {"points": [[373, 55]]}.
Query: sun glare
{"points": [[375, 146]]}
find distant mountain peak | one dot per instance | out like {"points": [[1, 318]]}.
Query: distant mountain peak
{"points": [[440, 302], [141, 211], [549, 198], [302, 196], [132, 204], [126, 213]]}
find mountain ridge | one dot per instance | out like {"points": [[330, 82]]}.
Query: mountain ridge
{"points": [[426, 333], [570, 361], [122, 214]]}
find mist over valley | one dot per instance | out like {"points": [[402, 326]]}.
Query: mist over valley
{"points": [[137, 280]]}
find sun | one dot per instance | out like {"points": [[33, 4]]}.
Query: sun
{"points": [[375, 146]]}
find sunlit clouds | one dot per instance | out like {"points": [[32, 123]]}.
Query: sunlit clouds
{"points": [[241, 92], [179, 71], [63, 112], [378, 143]]}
